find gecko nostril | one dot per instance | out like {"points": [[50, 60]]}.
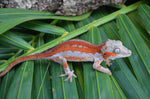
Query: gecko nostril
{"points": [[129, 52]]}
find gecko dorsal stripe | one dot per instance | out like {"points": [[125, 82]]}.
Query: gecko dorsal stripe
{"points": [[75, 45]]}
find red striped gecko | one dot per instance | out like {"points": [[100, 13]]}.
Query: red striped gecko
{"points": [[79, 50]]}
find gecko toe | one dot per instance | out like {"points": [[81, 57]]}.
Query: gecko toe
{"points": [[108, 71], [66, 79], [74, 76], [71, 79], [62, 75]]}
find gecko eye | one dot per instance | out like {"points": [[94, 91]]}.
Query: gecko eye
{"points": [[105, 54], [117, 50]]}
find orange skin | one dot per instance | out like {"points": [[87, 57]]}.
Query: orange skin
{"points": [[76, 45], [108, 54]]}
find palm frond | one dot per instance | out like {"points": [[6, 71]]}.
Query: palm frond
{"points": [[39, 79]]}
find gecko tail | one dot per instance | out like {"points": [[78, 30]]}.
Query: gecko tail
{"points": [[19, 60]]}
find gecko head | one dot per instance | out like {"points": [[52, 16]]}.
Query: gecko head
{"points": [[114, 49]]}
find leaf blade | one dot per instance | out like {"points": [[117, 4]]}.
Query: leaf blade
{"points": [[22, 78], [144, 11], [43, 27], [11, 39], [132, 40]]}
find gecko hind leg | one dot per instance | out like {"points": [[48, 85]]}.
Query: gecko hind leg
{"points": [[61, 60]]}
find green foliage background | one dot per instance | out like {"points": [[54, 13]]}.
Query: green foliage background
{"points": [[26, 32]]}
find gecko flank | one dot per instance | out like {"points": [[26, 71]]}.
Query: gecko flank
{"points": [[79, 50]]}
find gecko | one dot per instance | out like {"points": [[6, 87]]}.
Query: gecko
{"points": [[77, 50]]}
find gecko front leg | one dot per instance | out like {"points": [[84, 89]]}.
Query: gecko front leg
{"points": [[61, 60], [98, 67]]}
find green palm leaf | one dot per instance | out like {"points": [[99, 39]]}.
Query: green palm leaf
{"points": [[40, 79]]}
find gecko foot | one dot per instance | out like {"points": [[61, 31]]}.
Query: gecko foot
{"points": [[108, 62], [108, 71], [70, 75]]}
